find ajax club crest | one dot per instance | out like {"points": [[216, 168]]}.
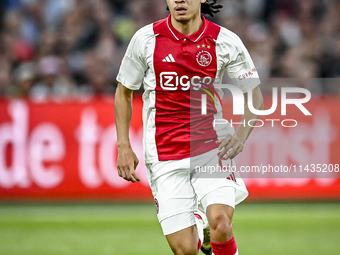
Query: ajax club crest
{"points": [[203, 58]]}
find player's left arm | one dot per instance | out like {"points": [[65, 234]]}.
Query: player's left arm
{"points": [[236, 142]]}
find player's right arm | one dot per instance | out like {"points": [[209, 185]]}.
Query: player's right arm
{"points": [[127, 160], [130, 77]]}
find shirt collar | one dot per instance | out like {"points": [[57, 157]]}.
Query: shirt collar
{"points": [[193, 37]]}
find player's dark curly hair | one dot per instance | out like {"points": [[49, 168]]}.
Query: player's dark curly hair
{"points": [[209, 8]]}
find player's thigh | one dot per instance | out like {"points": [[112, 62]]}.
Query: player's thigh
{"points": [[219, 187], [184, 241], [174, 195], [220, 195]]}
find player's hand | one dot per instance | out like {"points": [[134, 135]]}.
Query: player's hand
{"points": [[126, 164], [231, 146]]}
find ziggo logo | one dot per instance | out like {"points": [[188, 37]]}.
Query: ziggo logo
{"points": [[171, 81]]}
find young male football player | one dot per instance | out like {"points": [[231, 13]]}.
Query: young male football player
{"points": [[178, 60]]}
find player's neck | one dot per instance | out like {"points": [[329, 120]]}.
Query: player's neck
{"points": [[188, 27]]}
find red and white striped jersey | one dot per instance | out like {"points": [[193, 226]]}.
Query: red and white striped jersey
{"points": [[176, 70]]}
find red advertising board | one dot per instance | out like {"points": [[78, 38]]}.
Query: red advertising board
{"points": [[67, 151]]}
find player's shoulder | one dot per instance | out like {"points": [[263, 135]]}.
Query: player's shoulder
{"points": [[144, 33], [228, 37], [150, 29]]}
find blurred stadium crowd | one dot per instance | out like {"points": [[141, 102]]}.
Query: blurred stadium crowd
{"points": [[67, 48]]}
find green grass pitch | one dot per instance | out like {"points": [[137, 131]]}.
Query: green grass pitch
{"points": [[129, 229]]}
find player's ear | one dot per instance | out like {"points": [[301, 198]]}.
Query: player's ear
{"points": [[203, 1]]}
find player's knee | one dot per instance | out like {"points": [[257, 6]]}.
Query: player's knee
{"points": [[221, 224], [224, 229]]}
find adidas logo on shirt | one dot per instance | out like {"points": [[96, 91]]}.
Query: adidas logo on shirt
{"points": [[169, 58]]}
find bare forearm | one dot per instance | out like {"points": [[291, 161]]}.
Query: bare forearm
{"points": [[123, 114], [231, 146], [245, 129], [127, 160]]}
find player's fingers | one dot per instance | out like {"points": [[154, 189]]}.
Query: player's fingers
{"points": [[123, 173], [136, 162], [229, 149], [135, 176], [131, 175], [235, 151], [224, 142], [128, 175], [223, 153], [232, 143], [233, 148], [230, 153], [119, 171], [132, 179], [239, 150]]}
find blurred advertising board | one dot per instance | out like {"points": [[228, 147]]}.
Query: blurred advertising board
{"points": [[66, 150]]}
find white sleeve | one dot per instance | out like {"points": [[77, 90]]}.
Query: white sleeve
{"points": [[238, 63], [133, 67]]}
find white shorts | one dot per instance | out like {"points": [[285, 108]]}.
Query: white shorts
{"points": [[176, 186]]}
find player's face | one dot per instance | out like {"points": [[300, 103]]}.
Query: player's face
{"points": [[184, 10]]}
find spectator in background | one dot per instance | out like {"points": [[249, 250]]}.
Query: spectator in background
{"points": [[25, 76], [52, 83], [5, 78], [47, 44], [19, 49], [97, 75], [287, 38], [106, 47]]}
